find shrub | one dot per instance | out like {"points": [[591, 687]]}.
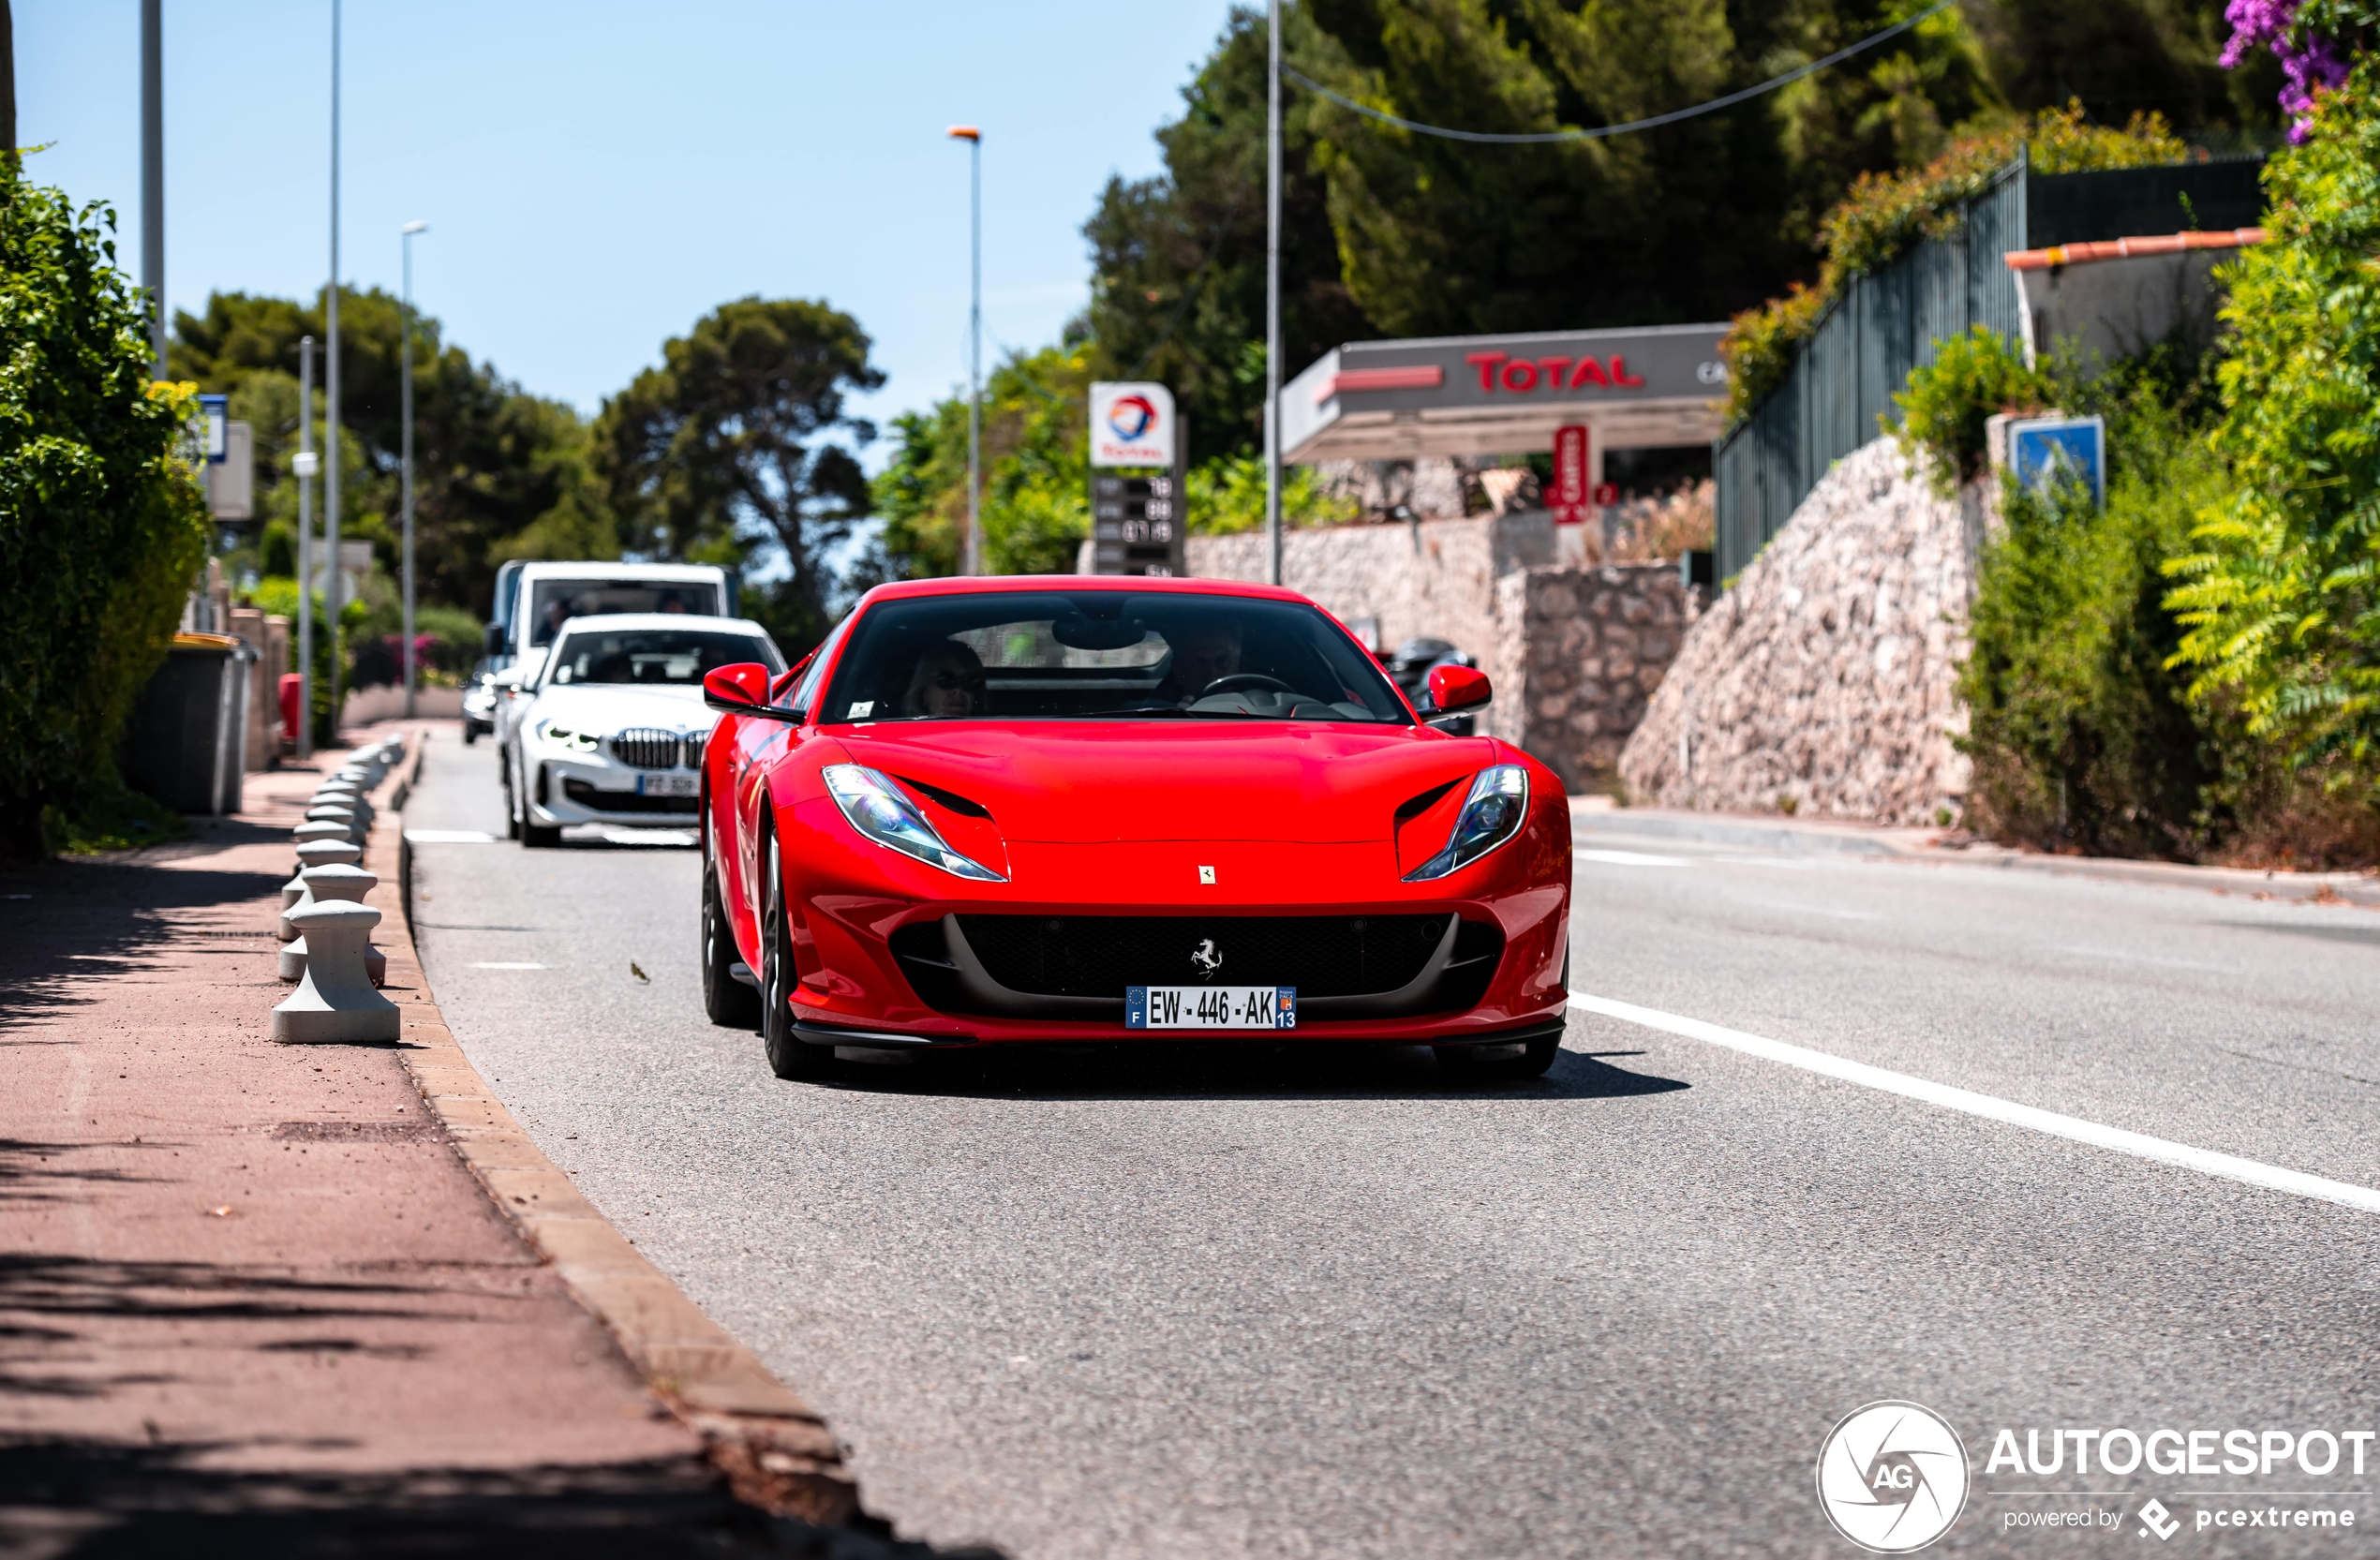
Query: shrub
{"points": [[101, 524], [2082, 736], [1886, 214], [2281, 593], [1972, 379]]}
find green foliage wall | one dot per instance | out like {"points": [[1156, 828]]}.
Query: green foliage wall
{"points": [[101, 525], [2282, 592]]}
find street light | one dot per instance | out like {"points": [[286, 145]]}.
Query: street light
{"points": [[972, 561], [331, 389], [306, 464], [1273, 294], [406, 375]]}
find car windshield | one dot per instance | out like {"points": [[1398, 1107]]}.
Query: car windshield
{"points": [[1058, 655], [665, 657], [555, 603]]}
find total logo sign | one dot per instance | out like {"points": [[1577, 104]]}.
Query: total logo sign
{"points": [[1132, 423]]}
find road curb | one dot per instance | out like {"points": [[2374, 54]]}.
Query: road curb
{"points": [[775, 1450]]}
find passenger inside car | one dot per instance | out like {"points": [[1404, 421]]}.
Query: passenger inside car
{"points": [[949, 681]]}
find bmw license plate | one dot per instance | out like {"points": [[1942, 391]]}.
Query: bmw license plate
{"points": [[1210, 1007], [666, 785]]}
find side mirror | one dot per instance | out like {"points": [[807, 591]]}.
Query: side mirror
{"points": [[507, 680], [741, 690], [495, 638], [1453, 688]]}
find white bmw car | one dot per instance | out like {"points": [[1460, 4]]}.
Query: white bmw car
{"points": [[612, 732]]}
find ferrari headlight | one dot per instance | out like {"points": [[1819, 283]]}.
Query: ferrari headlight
{"points": [[877, 809], [1491, 814], [573, 741]]}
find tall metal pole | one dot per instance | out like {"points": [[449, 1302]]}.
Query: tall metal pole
{"points": [[330, 389], [1273, 296], [153, 175], [971, 563], [406, 377], [304, 468]]}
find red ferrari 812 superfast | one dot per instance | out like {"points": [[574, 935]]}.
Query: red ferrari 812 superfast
{"points": [[1075, 808]]}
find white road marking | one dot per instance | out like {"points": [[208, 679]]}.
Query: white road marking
{"points": [[449, 837], [500, 964], [1629, 858], [2162, 1151]]}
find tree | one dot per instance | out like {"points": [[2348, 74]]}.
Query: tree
{"points": [[1177, 290], [742, 439], [101, 524], [498, 474]]}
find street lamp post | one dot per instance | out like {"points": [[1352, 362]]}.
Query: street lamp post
{"points": [[406, 377], [153, 177], [972, 561], [1272, 297], [304, 468], [330, 389]]}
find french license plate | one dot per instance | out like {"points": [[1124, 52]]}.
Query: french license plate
{"points": [[1210, 1007], [666, 785]]}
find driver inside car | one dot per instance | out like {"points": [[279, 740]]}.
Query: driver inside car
{"points": [[1201, 656], [949, 681]]}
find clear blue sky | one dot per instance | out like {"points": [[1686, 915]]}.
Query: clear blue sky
{"points": [[597, 176]]}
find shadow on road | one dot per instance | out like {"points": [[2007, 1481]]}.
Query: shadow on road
{"points": [[1148, 1070]]}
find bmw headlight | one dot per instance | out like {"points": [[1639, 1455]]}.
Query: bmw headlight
{"points": [[1491, 814], [877, 809], [571, 741]]}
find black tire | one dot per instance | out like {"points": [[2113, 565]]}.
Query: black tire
{"points": [[470, 734], [512, 802], [534, 837], [788, 1057], [726, 1001]]}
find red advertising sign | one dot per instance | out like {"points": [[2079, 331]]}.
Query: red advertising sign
{"points": [[1572, 490]]}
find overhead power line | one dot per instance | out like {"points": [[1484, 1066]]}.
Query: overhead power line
{"points": [[1539, 138]]}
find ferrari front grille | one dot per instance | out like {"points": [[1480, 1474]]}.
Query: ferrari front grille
{"points": [[647, 747], [1098, 956]]}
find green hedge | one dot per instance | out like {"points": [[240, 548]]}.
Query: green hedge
{"points": [[101, 525]]}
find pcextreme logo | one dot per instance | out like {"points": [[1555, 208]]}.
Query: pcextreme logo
{"points": [[1892, 1477]]}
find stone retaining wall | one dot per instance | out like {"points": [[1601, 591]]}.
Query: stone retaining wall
{"points": [[1593, 646], [1430, 577], [1824, 681]]}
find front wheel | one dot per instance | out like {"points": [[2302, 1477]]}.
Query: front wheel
{"points": [[726, 1001], [788, 1057]]}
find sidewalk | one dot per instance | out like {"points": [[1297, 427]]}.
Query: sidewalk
{"points": [[1594, 817], [251, 1302]]}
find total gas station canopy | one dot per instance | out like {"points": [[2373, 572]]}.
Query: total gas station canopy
{"points": [[1658, 387]]}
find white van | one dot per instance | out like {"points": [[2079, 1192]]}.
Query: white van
{"points": [[533, 600]]}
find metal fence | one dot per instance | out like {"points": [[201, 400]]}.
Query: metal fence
{"points": [[1882, 326], [1888, 323]]}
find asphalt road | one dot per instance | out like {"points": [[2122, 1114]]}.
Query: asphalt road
{"points": [[1220, 1303]]}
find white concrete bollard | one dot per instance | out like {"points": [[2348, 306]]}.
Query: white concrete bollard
{"points": [[314, 852], [329, 886], [336, 1002], [321, 828], [358, 826]]}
